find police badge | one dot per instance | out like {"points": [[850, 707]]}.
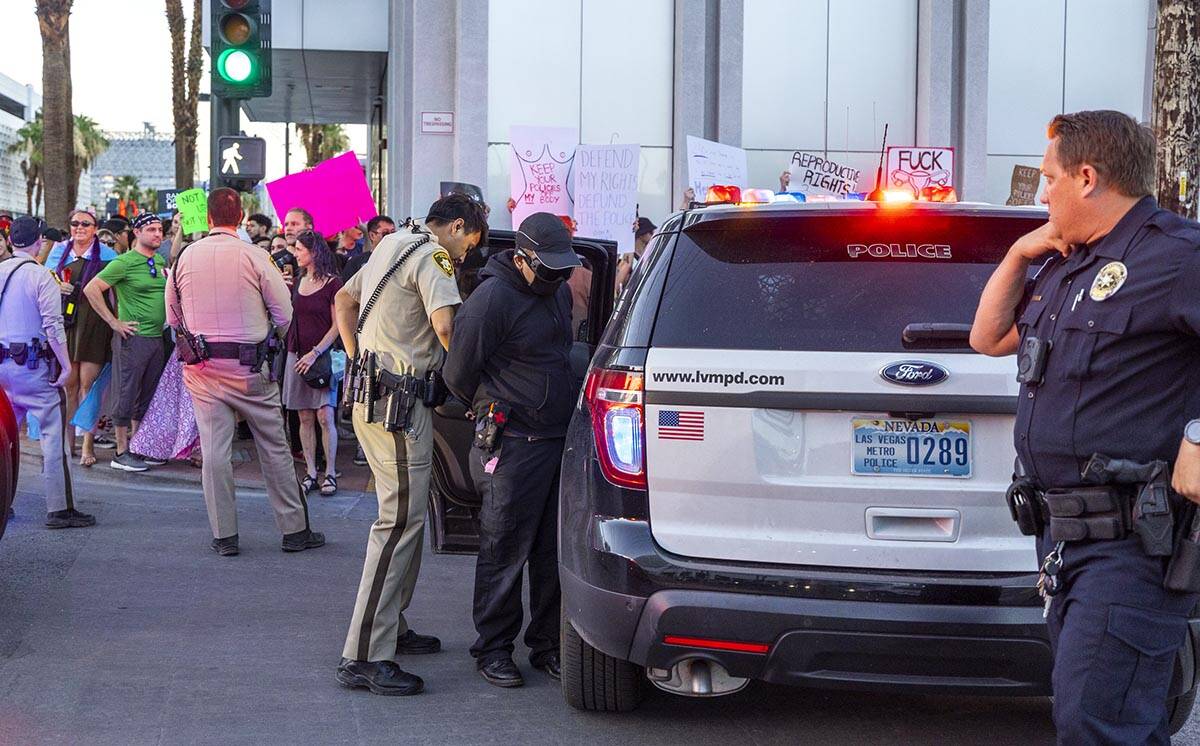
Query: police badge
{"points": [[442, 259], [1108, 281]]}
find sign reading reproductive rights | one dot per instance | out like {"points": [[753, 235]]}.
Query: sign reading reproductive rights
{"points": [[917, 168], [605, 188], [540, 170], [713, 163], [193, 210], [335, 192], [813, 174]]}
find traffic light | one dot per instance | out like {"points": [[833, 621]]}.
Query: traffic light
{"points": [[241, 48]]}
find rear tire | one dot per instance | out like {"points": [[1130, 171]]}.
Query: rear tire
{"points": [[595, 682], [1181, 709]]}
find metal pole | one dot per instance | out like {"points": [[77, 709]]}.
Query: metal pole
{"points": [[226, 119], [287, 149]]}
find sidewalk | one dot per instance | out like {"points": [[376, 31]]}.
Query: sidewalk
{"points": [[246, 471]]}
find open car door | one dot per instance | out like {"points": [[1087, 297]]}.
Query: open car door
{"points": [[453, 502]]}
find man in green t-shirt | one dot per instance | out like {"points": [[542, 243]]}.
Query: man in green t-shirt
{"points": [[139, 279]]}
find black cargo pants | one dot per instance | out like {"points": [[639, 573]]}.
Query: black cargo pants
{"points": [[518, 524]]}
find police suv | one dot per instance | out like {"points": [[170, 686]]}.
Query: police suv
{"points": [[788, 465]]}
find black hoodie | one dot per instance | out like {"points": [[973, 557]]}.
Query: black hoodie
{"points": [[513, 346]]}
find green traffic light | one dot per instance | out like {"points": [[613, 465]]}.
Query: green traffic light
{"points": [[236, 66]]}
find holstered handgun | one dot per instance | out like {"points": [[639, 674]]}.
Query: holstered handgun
{"points": [[370, 386], [1151, 513]]}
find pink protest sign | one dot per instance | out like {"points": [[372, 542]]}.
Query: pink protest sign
{"points": [[335, 192]]}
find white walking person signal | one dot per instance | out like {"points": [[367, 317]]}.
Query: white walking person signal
{"points": [[230, 157]]}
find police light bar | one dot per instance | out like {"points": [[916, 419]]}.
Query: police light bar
{"points": [[928, 194], [725, 194]]}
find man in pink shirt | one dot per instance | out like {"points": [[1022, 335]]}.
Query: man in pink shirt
{"points": [[222, 300]]}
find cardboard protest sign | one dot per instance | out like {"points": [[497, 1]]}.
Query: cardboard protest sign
{"points": [[540, 170], [917, 168], [713, 163], [1025, 182], [813, 174], [193, 210], [335, 192], [605, 188]]}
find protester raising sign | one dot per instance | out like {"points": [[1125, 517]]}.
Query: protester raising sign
{"points": [[540, 170], [605, 188], [1024, 186], [193, 210], [713, 163], [335, 192], [813, 174], [917, 168]]}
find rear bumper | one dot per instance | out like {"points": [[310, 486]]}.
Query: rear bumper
{"points": [[824, 628]]}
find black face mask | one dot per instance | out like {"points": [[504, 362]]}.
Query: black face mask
{"points": [[545, 281]]}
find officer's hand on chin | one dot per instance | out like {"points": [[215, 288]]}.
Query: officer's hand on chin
{"points": [[1186, 479], [1037, 243]]}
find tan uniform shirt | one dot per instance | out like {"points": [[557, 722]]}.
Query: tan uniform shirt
{"points": [[399, 330], [231, 290]]}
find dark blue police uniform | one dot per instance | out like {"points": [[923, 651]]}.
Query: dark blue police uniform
{"points": [[1122, 378]]}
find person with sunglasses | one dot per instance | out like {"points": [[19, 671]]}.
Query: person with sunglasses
{"points": [[510, 356], [89, 339], [139, 280]]}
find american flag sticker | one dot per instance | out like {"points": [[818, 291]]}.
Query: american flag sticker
{"points": [[674, 424]]}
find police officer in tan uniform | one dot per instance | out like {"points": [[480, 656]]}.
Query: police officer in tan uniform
{"points": [[222, 300], [396, 317]]}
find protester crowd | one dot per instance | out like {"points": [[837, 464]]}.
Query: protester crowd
{"points": [[125, 393]]}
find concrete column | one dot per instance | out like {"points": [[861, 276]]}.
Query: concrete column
{"points": [[952, 78], [971, 99], [438, 62], [708, 78]]}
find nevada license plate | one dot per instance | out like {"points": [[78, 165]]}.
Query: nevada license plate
{"points": [[917, 448]]}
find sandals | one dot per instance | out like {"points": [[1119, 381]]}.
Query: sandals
{"points": [[308, 484], [328, 485]]}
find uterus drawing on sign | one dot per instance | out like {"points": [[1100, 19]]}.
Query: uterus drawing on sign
{"points": [[546, 176], [918, 180]]}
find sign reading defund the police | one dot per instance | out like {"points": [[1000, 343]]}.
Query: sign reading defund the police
{"points": [[917, 168], [606, 184], [813, 174]]}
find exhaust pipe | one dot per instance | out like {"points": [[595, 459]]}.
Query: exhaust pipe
{"points": [[696, 677]]}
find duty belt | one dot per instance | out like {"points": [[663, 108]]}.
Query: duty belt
{"points": [[26, 353], [232, 350]]}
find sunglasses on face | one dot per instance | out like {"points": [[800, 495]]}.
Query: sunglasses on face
{"points": [[110, 244], [544, 272], [81, 224]]}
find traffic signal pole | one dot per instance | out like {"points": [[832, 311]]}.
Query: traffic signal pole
{"points": [[226, 119]]}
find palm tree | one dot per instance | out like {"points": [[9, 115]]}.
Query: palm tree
{"points": [[58, 154], [185, 88], [1176, 117], [90, 142], [29, 147], [148, 202], [322, 141], [127, 188]]}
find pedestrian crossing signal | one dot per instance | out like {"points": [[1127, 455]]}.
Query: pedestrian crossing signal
{"points": [[241, 48]]}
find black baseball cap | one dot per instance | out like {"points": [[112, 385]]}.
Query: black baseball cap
{"points": [[545, 235], [644, 226], [25, 232]]}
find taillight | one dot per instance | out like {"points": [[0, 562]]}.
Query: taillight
{"points": [[618, 424]]}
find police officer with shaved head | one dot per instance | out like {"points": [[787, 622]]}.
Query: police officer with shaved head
{"points": [[511, 357], [1107, 336], [34, 365]]}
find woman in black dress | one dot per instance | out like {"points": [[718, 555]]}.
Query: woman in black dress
{"points": [[89, 339]]}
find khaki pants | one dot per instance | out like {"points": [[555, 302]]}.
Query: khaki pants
{"points": [[31, 393], [401, 465], [222, 389]]}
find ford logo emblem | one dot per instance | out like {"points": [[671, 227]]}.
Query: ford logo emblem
{"points": [[914, 373]]}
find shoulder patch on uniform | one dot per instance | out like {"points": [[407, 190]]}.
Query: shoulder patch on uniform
{"points": [[441, 258]]}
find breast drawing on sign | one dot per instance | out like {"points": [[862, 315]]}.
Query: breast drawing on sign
{"points": [[547, 177]]}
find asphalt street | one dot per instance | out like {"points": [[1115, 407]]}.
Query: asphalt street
{"points": [[134, 632]]}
